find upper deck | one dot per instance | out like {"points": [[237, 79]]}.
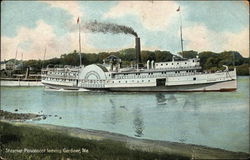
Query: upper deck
{"points": [[189, 63]]}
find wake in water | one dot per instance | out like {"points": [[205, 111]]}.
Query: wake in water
{"points": [[63, 90]]}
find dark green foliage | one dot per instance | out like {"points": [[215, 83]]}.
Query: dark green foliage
{"points": [[127, 54], [189, 54], [148, 55], [53, 61], [163, 56], [209, 60], [243, 69], [35, 65], [214, 61], [69, 59], [20, 137]]}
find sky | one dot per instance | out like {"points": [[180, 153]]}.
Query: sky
{"points": [[29, 27]]}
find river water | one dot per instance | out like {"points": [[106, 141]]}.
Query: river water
{"points": [[215, 119]]}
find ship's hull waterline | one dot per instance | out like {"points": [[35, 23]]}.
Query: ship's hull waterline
{"points": [[207, 87]]}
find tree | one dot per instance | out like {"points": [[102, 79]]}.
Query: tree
{"points": [[163, 56], [147, 55], [188, 54]]}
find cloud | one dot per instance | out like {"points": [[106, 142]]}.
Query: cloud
{"points": [[31, 42], [200, 38], [72, 7], [154, 15], [238, 41], [27, 40]]}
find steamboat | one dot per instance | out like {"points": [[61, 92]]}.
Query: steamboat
{"points": [[180, 75]]}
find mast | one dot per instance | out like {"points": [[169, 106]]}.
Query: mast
{"points": [[181, 39], [78, 22], [15, 59], [44, 54], [22, 62], [233, 59], [45, 49], [179, 10]]}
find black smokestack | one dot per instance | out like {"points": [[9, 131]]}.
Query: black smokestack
{"points": [[138, 51], [108, 28]]}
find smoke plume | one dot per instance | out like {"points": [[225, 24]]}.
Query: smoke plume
{"points": [[108, 28]]}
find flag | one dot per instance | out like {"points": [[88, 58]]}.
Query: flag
{"points": [[77, 20], [178, 9]]}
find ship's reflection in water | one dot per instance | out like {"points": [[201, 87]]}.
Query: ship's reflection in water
{"points": [[162, 100], [191, 104], [113, 113], [172, 99], [138, 122], [184, 106]]}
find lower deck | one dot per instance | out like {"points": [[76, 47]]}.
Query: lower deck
{"points": [[207, 87]]}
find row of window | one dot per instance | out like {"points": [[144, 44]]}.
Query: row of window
{"points": [[61, 73], [59, 79], [138, 81], [167, 64], [94, 81], [158, 72]]}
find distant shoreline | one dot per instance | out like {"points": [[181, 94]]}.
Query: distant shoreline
{"points": [[186, 150]]}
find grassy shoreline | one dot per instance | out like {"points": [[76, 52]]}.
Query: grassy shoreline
{"points": [[19, 140], [57, 142]]}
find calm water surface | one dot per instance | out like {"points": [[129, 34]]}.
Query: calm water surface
{"points": [[216, 119]]}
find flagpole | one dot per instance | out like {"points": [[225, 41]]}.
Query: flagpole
{"points": [[79, 42], [181, 29]]}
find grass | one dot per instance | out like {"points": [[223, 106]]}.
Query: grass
{"points": [[20, 137]]}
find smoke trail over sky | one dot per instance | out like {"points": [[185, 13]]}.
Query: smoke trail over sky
{"points": [[108, 28]]}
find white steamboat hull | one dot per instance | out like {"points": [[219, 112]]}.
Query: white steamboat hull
{"points": [[207, 87]]}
